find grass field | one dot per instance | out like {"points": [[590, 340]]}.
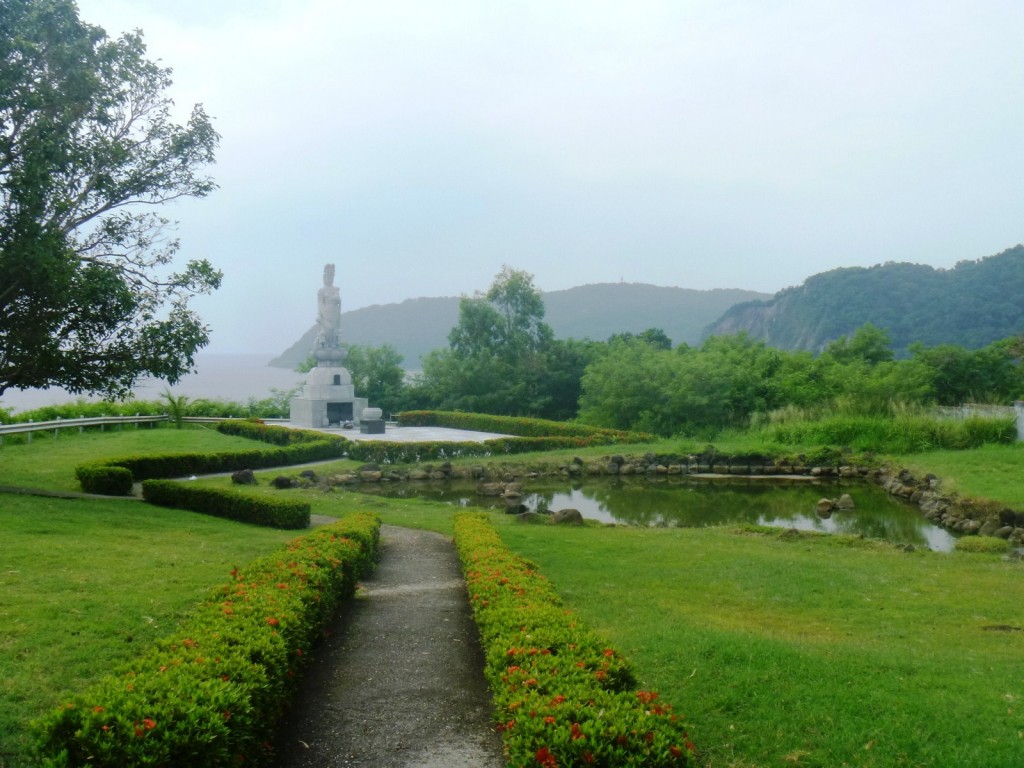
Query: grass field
{"points": [[780, 650]]}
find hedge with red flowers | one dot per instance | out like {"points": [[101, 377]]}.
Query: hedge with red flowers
{"points": [[210, 695], [562, 697]]}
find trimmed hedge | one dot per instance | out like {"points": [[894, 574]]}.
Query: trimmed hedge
{"points": [[562, 697], [520, 426], [285, 446], [104, 479], [269, 512], [210, 695]]}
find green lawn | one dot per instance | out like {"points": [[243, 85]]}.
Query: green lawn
{"points": [[993, 472], [808, 651], [50, 463], [86, 584]]}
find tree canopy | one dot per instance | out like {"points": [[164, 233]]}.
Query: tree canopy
{"points": [[90, 298]]}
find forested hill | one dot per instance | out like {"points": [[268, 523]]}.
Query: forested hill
{"points": [[971, 305], [417, 326]]}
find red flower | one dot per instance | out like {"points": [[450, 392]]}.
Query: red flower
{"points": [[550, 720], [149, 722], [577, 732], [272, 621], [545, 758]]}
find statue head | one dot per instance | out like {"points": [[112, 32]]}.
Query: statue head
{"points": [[329, 275]]}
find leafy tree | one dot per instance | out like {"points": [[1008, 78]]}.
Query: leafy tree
{"points": [[957, 375], [653, 336], [377, 375], [89, 296], [497, 357], [869, 344]]}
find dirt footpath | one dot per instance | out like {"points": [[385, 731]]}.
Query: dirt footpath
{"points": [[399, 682]]}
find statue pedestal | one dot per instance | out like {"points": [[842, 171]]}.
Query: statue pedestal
{"points": [[327, 400]]}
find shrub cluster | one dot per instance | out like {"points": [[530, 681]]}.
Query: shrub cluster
{"points": [[519, 426], [562, 697], [900, 433], [104, 479], [286, 446], [265, 511], [210, 695]]}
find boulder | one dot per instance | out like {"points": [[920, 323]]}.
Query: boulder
{"points": [[567, 517], [309, 474], [989, 528], [845, 502], [283, 481], [824, 508], [243, 477], [370, 475]]}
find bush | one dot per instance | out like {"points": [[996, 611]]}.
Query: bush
{"points": [[104, 479], [982, 544], [269, 512], [211, 694], [562, 697], [286, 446]]}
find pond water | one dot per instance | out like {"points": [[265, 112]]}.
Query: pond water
{"points": [[696, 502]]}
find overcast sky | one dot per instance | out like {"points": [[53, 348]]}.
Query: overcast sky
{"points": [[698, 143]]}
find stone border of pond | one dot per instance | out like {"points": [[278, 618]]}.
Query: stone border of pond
{"points": [[966, 516]]}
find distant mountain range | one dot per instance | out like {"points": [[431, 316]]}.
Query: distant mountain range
{"points": [[417, 326], [971, 305]]}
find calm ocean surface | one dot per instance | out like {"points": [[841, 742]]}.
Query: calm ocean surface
{"points": [[217, 377]]}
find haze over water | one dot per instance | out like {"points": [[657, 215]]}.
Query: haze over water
{"points": [[217, 377]]}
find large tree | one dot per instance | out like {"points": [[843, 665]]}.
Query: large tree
{"points": [[498, 360], [90, 297]]}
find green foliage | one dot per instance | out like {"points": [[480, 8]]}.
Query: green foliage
{"points": [[105, 480], [971, 305], [232, 505], [377, 375], [901, 431], [210, 694], [88, 149], [729, 379], [503, 359], [290, 446], [562, 696], [176, 407], [986, 545]]}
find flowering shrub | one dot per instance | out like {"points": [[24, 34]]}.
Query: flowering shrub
{"points": [[562, 697], [211, 694], [256, 510]]}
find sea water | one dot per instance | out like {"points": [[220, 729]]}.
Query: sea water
{"points": [[217, 377]]}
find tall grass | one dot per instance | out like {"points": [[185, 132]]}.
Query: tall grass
{"points": [[898, 429]]}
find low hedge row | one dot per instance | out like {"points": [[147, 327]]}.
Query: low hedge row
{"points": [[286, 446], [520, 426], [210, 695], [272, 512], [562, 697]]}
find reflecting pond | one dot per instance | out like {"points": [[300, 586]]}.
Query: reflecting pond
{"points": [[702, 501]]}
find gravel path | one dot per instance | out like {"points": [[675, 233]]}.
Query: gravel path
{"points": [[399, 682]]}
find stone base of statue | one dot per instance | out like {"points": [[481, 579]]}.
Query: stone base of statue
{"points": [[328, 400]]}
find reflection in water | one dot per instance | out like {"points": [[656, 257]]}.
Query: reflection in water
{"points": [[697, 502]]}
